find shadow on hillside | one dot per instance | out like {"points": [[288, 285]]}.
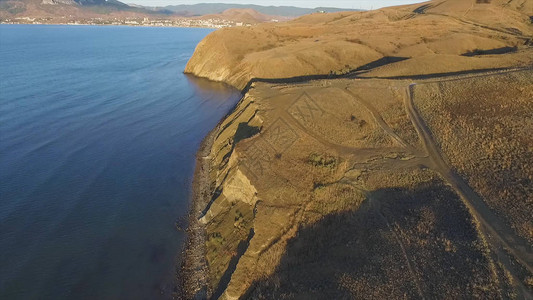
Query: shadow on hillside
{"points": [[402, 243], [305, 78], [502, 50], [445, 74]]}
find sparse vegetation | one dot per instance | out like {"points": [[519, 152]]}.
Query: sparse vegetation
{"points": [[12, 7], [322, 160]]}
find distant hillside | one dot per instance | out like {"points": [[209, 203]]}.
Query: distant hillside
{"points": [[74, 8], [217, 8], [245, 15], [100, 2]]}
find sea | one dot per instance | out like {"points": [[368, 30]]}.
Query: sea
{"points": [[99, 128]]}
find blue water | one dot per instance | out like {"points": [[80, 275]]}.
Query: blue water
{"points": [[98, 134]]}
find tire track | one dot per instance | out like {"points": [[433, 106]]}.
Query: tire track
{"points": [[379, 120], [398, 239]]}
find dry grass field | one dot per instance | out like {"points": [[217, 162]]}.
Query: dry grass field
{"points": [[484, 126], [330, 189], [407, 241]]}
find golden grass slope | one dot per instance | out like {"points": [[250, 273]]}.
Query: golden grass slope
{"points": [[340, 42], [376, 186]]}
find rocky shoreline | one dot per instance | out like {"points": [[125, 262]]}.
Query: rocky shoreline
{"points": [[192, 284]]}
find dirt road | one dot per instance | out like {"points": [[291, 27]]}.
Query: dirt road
{"points": [[501, 238]]}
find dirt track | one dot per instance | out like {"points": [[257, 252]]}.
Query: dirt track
{"points": [[505, 243], [500, 237]]}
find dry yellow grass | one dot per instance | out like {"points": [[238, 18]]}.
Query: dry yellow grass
{"points": [[484, 127]]}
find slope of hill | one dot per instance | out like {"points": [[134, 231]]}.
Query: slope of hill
{"points": [[441, 31], [71, 8], [387, 189]]}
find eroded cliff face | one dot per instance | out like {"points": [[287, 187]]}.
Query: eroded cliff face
{"points": [[435, 36], [332, 188]]}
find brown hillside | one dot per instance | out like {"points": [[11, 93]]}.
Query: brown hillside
{"points": [[63, 10], [340, 42], [247, 16], [372, 188]]}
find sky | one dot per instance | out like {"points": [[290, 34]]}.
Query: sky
{"points": [[357, 4]]}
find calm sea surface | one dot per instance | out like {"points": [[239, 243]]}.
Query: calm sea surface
{"points": [[98, 134]]}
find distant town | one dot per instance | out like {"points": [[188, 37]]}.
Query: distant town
{"points": [[177, 22]]}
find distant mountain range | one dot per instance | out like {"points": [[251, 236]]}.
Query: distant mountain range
{"points": [[77, 8], [100, 2], [217, 8]]}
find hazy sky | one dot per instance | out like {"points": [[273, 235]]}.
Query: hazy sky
{"points": [[362, 4]]}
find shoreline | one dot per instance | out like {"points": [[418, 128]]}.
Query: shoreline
{"points": [[192, 279], [111, 25], [192, 269]]}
